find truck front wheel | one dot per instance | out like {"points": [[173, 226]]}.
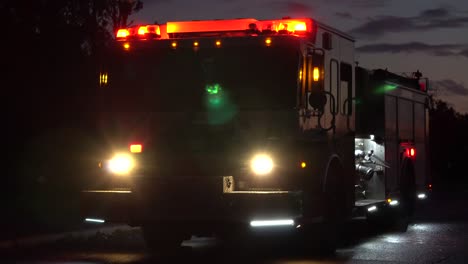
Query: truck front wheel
{"points": [[323, 237]]}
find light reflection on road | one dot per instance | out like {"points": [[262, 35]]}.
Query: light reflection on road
{"points": [[424, 242]]}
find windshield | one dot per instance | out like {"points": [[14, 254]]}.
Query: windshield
{"points": [[226, 78]]}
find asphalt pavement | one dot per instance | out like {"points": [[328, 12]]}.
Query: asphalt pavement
{"points": [[438, 234]]}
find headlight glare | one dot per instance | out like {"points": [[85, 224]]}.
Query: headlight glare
{"points": [[261, 164], [121, 164]]}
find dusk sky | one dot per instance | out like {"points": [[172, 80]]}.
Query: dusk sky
{"points": [[400, 35]]}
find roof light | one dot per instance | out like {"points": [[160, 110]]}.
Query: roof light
{"points": [[143, 30], [300, 26], [122, 33], [209, 25], [291, 26], [136, 148]]}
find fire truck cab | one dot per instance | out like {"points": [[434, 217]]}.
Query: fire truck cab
{"points": [[236, 126]]}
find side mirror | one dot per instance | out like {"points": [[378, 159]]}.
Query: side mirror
{"points": [[317, 100]]}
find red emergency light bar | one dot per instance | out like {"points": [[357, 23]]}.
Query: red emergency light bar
{"points": [[142, 32], [209, 25], [251, 26]]}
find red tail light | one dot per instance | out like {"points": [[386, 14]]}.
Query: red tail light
{"points": [[410, 152], [136, 148]]}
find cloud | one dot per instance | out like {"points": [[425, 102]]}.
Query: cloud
{"points": [[449, 87], [294, 8], [357, 4], [411, 47], [436, 12], [428, 19], [369, 3], [345, 15], [464, 52]]}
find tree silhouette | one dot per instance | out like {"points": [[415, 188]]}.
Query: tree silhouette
{"points": [[448, 144]]}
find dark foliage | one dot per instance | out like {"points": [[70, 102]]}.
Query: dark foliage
{"points": [[449, 146], [50, 53]]}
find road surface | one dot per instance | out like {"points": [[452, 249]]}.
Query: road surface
{"points": [[438, 234]]}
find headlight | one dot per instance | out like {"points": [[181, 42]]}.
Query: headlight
{"points": [[261, 164], [121, 164]]}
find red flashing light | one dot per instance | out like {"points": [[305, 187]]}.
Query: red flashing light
{"points": [[136, 148], [291, 26], [140, 32], [143, 30], [423, 85], [209, 25], [410, 152], [294, 26], [122, 33], [300, 26]]}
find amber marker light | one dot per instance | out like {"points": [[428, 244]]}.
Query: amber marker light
{"points": [[136, 148], [218, 43], [174, 44], [316, 74], [195, 44], [303, 165], [268, 41], [126, 46]]}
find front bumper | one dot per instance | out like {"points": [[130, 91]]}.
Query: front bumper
{"points": [[136, 208]]}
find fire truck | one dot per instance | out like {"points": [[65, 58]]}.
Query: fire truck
{"points": [[249, 126]]}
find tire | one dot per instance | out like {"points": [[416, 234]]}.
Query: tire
{"points": [[323, 238], [162, 241], [408, 197], [408, 187], [398, 219]]}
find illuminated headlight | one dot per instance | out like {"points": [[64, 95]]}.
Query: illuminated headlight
{"points": [[261, 164], [121, 164]]}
